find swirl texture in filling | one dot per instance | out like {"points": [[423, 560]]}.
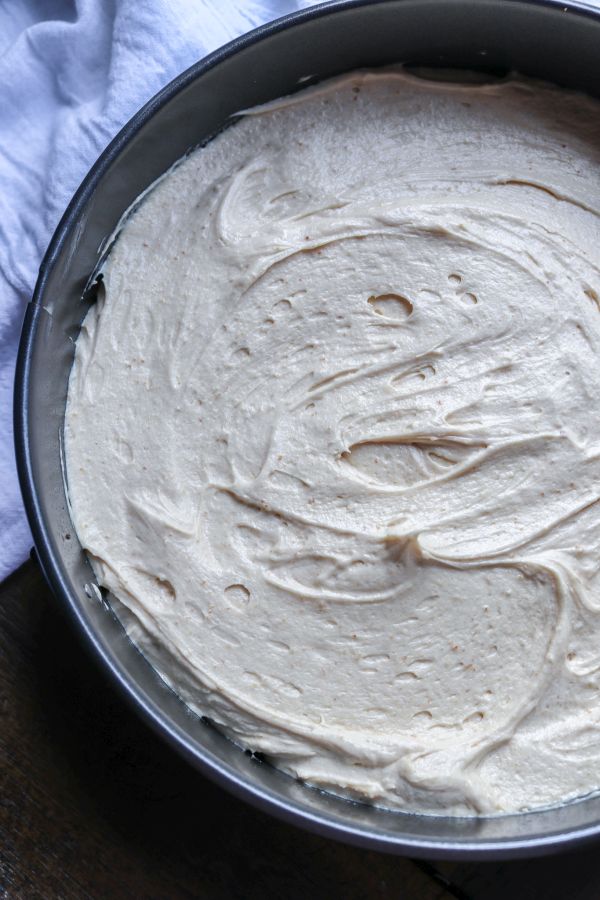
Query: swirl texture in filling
{"points": [[333, 438]]}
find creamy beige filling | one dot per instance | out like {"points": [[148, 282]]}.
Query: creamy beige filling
{"points": [[333, 440]]}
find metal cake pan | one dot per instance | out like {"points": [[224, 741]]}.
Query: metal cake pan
{"points": [[556, 41]]}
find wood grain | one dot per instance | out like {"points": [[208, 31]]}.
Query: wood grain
{"points": [[571, 876], [93, 805]]}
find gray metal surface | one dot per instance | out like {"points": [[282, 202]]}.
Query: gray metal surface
{"points": [[556, 41]]}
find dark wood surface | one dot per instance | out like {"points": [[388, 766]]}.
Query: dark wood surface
{"points": [[93, 805]]}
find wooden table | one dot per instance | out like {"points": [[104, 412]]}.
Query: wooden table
{"points": [[93, 805]]}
